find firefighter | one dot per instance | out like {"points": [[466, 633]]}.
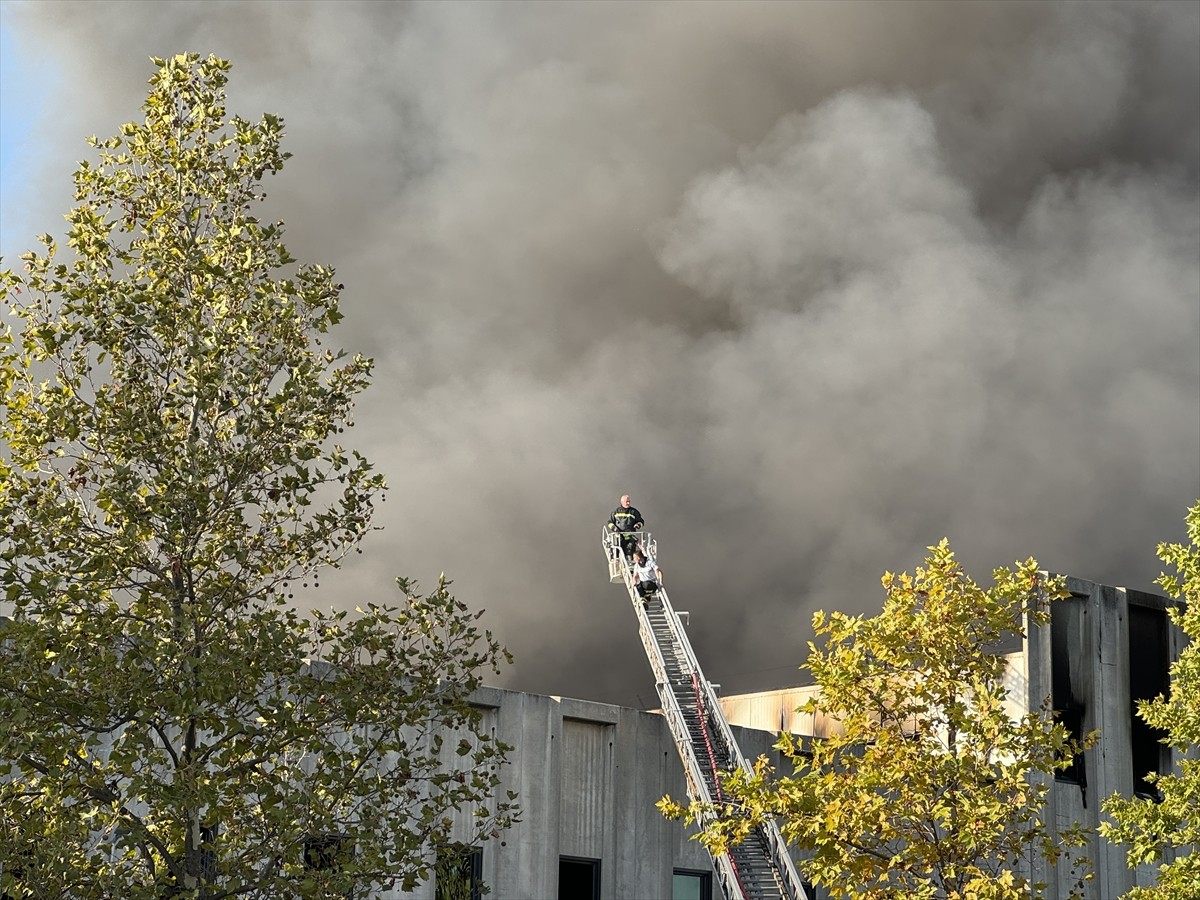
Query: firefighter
{"points": [[626, 521]]}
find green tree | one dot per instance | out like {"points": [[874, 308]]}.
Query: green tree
{"points": [[928, 785], [454, 874], [169, 724], [1149, 827]]}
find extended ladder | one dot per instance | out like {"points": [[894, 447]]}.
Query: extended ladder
{"points": [[759, 868]]}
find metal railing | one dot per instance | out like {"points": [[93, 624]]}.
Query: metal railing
{"points": [[710, 713]]}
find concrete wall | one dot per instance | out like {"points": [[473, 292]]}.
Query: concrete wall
{"points": [[776, 711], [588, 775], [1098, 659]]}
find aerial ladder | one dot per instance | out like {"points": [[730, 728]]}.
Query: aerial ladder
{"points": [[759, 868]]}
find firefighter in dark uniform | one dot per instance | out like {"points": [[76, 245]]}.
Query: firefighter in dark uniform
{"points": [[625, 521]]}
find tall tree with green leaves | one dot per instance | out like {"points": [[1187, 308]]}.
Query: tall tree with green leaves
{"points": [[930, 783], [170, 725], [1169, 825]]}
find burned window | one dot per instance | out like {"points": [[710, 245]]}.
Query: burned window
{"points": [[1149, 677], [1067, 690]]}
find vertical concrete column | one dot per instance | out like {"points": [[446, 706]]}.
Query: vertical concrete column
{"points": [[1037, 665], [1113, 752], [524, 862]]}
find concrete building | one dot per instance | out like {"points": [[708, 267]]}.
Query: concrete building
{"points": [[588, 775], [1105, 649]]}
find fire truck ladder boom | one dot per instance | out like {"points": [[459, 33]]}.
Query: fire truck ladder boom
{"points": [[759, 868]]}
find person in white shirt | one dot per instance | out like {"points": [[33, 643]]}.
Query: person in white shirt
{"points": [[647, 576]]}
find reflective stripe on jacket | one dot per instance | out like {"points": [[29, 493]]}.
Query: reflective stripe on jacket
{"points": [[624, 519]]}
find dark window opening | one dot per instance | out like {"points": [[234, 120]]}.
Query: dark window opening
{"points": [[458, 873], [688, 884], [1066, 692], [1149, 677], [327, 852], [1071, 718], [578, 878], [208, 852], [206, 863], [16, 880]]}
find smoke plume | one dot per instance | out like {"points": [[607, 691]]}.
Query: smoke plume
{"points": [[816, 283]]}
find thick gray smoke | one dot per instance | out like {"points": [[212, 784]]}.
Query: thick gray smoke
{"points": [[816, 283]]}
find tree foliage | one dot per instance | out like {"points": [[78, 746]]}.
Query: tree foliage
{"points": [[169, 724], [1170, 825], [928, 785]]}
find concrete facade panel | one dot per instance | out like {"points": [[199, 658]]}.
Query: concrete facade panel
{"points": [[586, 768]]}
